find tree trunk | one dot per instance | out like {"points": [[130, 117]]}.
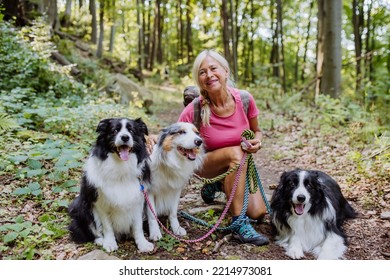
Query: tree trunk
{"points": [[225, 29], [161, 16], [180, 31], [154, 34], [234, 37], [140, 36], [99, 51], [274, 57], [320, 46], [280, 24], [92, 10], [368, 53], [189, 33], [306, 43], [52, 13], [66, 19], [146, 26], [358, 26], [331, 80]]}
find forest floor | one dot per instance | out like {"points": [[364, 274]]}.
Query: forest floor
{"points": [[368, 234]]}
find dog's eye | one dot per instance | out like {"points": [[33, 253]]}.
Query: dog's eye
{"points": [[180, 132], [130, 128], [116, 131], [310, 186]]}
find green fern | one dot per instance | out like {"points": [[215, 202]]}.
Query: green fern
{"points": [[6, 123]]}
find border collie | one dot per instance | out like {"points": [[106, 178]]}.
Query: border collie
{"points": [[110, 204], [177, 154], [308, 211]]}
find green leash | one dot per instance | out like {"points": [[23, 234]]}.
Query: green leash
{"points": [[252, 178]]}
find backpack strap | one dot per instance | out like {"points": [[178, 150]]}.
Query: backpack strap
{"points": [[245, 100], [197, 117], [197, 109]]}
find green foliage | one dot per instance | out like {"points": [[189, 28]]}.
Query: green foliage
{"points": [[6, 123], [27, 239], [1, 13], [167, 242], [27, 75]]}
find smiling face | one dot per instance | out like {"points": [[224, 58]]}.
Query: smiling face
{"points": [[212, 76]]}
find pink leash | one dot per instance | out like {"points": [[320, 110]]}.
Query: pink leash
{"points": [[220, 218]]}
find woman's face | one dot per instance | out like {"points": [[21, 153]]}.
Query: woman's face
{"points": [[212, 76]]}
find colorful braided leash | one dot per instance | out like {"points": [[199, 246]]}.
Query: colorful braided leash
{"points": [[252, 176]]}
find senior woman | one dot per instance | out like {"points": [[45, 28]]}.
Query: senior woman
{"points": [[223, 119]]}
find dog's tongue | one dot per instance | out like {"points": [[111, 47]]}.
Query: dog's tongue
{"points": [[299, 209], [124, 153], [191, 155]]}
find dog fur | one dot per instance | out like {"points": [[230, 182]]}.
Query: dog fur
{"points": [[308, 211], [110, 204], [177, 154]]}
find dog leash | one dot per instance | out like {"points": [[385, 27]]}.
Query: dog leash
{"points": [[214, 227], [252, 175]]}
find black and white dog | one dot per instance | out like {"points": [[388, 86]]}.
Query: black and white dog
{"points": [[175, 157], [110, 204], [308, 211]]}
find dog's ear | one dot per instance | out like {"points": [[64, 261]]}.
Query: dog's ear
{"points": [[102, 126], [284, 176], [142, 126]]}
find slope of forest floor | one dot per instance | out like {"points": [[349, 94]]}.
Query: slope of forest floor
{"points": [[368, 234]]}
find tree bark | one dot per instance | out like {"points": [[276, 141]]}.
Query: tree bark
{"points": [[320, 46], [331, 80], [225, 29], [92, 11], [189, 33], [358, 26], [99, 52], [306, 43]]}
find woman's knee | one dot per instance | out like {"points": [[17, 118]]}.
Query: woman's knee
{"points": [[235, 155]]}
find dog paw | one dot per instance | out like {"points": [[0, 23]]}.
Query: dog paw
{"points": [[99, 241], [180, 231], [295, 253], [110, 245], [155, 235], [145, 246]]}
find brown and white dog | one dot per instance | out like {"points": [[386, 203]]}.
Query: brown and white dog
{"points": [[178, 153]]}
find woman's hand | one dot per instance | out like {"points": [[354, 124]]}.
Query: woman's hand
{"points": [[151, 140], [251, 146]]}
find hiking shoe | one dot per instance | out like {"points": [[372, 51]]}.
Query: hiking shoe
{"points": [[208, 191], [245, 233]]}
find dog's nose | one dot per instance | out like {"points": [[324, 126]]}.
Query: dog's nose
{"points": [[198, 142], [301, 198], [125, 138]]}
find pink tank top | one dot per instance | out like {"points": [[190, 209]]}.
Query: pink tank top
{"points": [[224, 131]]}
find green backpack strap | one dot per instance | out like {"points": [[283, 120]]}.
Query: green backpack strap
{"points": [[197, 109]]}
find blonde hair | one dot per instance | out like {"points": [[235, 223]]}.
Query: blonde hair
{"points": [[205, 111]]}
